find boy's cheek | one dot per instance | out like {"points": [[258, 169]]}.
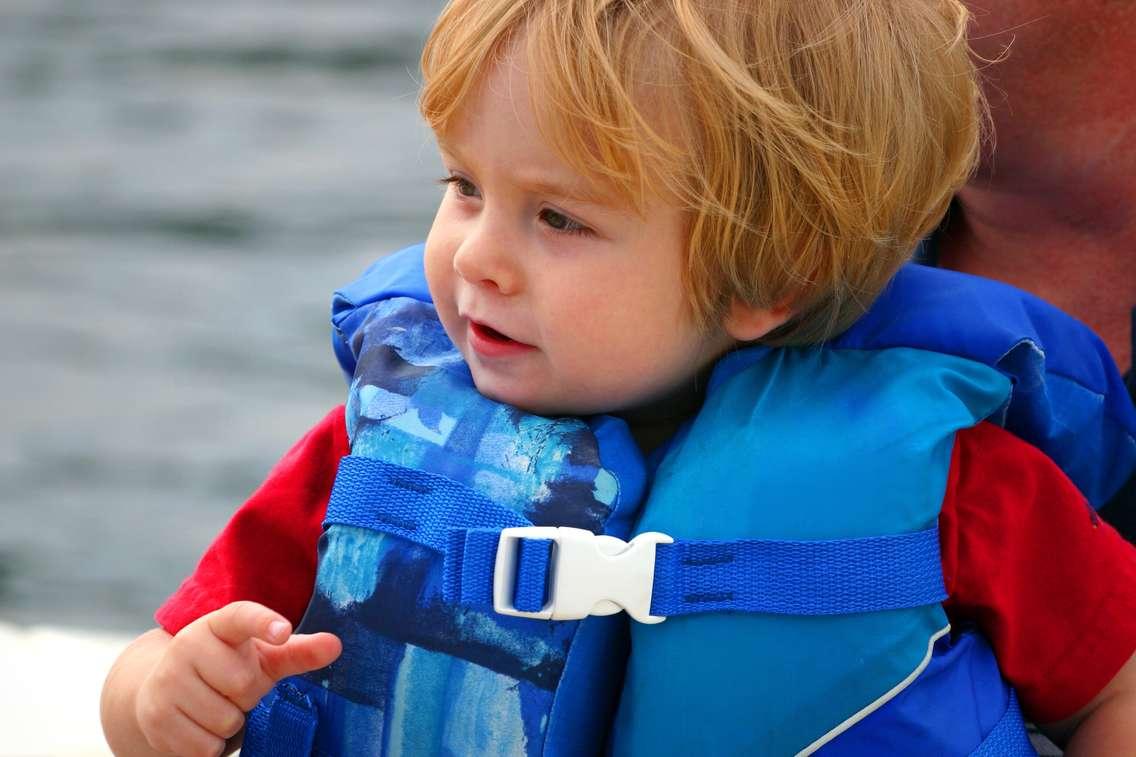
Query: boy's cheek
{"points": [[439, 271]]}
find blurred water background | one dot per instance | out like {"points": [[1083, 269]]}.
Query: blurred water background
{"points": [[183, 186]]}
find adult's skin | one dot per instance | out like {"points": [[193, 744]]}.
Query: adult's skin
{"points": [[1051, 209]]}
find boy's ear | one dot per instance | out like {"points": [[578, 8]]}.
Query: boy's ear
{"points": [[745, 323]]}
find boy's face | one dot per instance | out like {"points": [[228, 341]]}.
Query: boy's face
{"points": [[560, 305]]}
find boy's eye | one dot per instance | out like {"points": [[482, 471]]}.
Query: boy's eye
{"points": [[464, 186], [561, 223]]}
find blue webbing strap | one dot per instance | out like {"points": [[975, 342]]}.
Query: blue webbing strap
{"points": [[469, 561], [1008, 738], [440, 514], [782, 577], [283, 724], [533, 557], [418, 506], [799, 577]]}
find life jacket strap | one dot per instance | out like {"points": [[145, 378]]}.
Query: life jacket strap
{"points": [[1008, 737], [494, 558], [827, 577], [283, 724], [568, 573], [419, 506]]}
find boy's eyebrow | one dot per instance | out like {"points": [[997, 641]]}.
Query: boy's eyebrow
{"points": [[538, 185]]}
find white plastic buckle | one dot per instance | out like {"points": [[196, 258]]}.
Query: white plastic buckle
{"points": [[588, 574]]}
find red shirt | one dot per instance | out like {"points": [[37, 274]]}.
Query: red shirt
{"points": [[1024, 557]]}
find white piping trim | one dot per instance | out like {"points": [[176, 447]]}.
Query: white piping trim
{"points": [[856, 718]]}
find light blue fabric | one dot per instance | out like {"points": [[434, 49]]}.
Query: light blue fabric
{"points": [[765, 459]]}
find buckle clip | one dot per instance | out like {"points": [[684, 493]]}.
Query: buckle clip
{"points": [[588, 574]]}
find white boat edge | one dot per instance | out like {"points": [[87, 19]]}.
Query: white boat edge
{"points": [[53, 708]]}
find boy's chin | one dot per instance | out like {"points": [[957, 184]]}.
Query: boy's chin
{"points": [[525, 402], [531, 402]]}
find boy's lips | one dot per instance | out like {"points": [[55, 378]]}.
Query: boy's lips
{"points": [[487, 341]]}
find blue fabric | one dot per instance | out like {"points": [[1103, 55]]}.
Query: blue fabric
{"points": [[1068, 399], [958, 704], [1009, 738], [616, 454], [400, 274], [884, 439]]}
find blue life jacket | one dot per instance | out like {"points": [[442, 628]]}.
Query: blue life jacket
{"points": [[803, 589]]}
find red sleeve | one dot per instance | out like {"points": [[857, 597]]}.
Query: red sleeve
{"points": [[1026, 558], [267, 551]]}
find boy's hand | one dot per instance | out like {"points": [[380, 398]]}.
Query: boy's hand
{"points": [[216, 669]]}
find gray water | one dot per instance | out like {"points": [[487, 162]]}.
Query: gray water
{"points": [[182, 186]]}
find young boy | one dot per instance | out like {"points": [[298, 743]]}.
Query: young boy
{"points": [[634, 191]]}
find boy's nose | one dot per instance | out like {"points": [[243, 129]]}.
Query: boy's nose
{"points": [[484, 262]]}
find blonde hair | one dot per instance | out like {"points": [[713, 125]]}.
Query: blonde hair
{"points": [[812, 142]]}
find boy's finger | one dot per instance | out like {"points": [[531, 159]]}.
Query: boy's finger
{"points": [[238, 622], [211, 710], [235, 673], [301, 653], [183, 736]]}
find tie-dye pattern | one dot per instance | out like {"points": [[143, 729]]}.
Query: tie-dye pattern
{"points": [[417, 675]]}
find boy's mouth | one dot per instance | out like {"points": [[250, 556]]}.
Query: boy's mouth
{"points": [[490, 342], [488, 332]]}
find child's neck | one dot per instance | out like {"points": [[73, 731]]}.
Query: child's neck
{"points": [[650, 435], [654, 424]]}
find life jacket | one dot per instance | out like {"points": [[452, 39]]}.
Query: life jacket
{"points": [[802, 587]]}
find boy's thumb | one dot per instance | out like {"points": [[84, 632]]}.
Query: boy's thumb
{"points": [[299, 654]]}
